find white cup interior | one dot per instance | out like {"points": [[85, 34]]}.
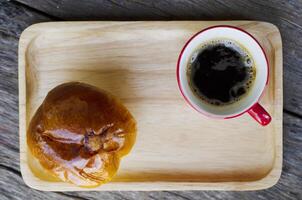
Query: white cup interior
{"points": [[257, 55]]}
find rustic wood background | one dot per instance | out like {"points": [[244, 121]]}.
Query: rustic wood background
{"points": [[16, 15]]}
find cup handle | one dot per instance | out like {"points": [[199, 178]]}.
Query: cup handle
{"points": [[260, 114]]}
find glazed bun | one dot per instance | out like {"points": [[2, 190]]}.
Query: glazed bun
{"points": [[80, 133]]}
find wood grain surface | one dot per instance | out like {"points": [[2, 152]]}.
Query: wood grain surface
{"points": [[15, 17], [285, 14], [109, 55]]}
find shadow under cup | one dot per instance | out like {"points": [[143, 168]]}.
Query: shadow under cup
{"points": [[246, 103]]}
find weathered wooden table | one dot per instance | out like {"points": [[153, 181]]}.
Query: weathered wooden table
{"points": [[16, 15]]}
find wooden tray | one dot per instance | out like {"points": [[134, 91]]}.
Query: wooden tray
{"points": [[176, 148]]}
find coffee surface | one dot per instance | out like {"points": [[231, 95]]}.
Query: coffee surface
{"points": [[220, 72]]}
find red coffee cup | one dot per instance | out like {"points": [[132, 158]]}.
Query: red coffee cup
{"points": [[247, 104]]}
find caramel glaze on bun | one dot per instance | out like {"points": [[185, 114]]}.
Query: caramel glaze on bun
{"points": [[80, 133]]}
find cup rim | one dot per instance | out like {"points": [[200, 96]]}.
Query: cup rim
{"points": [[178, 71]]}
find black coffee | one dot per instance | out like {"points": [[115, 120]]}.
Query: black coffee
{"points": [[220, 72]]}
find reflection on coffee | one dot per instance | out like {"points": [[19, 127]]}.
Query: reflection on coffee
{"points": [[221, 72]]}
